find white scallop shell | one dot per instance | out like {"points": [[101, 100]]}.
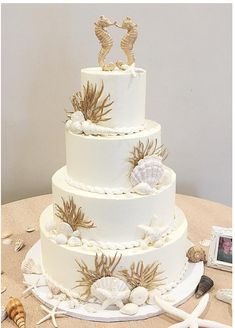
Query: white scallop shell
{"points": [[130, 309], [64, 228], [74, 241], [19, 244], [139, 295], [148, 170], [112, 284], [29, 266], [61, 239]]}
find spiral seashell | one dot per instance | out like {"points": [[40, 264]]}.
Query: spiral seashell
{"points": [[205, 284], [196, 254], [29, 266], [149, 170], [110, 284], [15, 311]]}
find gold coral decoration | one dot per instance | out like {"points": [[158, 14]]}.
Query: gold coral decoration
{"points": [[73, 216], [90, 105], [149, 149], [16, 312], [105, 40], [129, 39], [145, 276], [104, 267]]}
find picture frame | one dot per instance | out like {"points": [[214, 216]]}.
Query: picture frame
{"points": [[220, 250]]}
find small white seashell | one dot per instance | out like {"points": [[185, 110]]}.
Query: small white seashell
{"points": [[225, 295], [50, 226], [3, 313], [53, 288], [30, 229], [149, 170], [64, 228], [92, 307], [61, 239], [143, 189], [77, 117], [111, 284], [6, 234], [29, 266], [139, 295], [19, 244], [76, 127], [76, 233], [74, 241], [3, 289], [151, 295], [130, 309], [158, 243], [7, 241]]}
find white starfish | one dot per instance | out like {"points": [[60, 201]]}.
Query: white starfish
{"points": [[32, 286], [51, 314], [112, 297], [153, 232], [190, 320]]}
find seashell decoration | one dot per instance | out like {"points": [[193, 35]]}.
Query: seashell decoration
{"points": [[3, 289], [196, 254], [74, 241], [15, 311], [7, 241], [129, 308], [205, 284], [139, 295], [3, 313], [50, 226], [6, 234], [61, 239], [53, 288], [29, 266], [30, 229], [64, 228], [110, 291], [19, 244], [225, 295], [147, 174]]}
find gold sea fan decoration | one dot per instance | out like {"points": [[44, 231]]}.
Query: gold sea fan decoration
{"points": [[90, 104], [73, 216], [145, 276], [104, 267], [149, 149]]}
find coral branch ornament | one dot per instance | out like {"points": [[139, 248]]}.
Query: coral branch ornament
{"points": [[105, 40], [191, 320]]}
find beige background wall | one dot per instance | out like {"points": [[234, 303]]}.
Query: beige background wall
{"points": [[186, 49]]}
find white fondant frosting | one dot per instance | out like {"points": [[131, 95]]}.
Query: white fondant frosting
{"points": [[126, 91]]}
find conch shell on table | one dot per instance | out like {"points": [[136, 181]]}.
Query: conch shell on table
{"points": [[196, 254], [15, 311], [147, 174]]}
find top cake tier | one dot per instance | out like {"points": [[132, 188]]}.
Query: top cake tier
{"points": [[127, 91]]}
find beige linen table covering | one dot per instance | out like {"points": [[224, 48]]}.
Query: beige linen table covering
{"points": [[17, 216]]}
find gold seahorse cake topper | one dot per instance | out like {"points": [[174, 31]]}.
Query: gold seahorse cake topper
{"points": [[106, 42]]}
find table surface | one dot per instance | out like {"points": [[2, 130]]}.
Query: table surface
{"points": [[19, 215]]}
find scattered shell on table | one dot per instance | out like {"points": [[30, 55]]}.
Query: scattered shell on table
{"points": [[7, 241], [130, 309], [6, 234], [30, 229], [149, 170], [205, 284], [53, 288], [139, 295], [112, 284], [61, 239], [225, 295], [15, 311], [30, 266], [74, 241], [64, 228], [92, 307], [3, 313], [196, 254], [3, 289], [19, 244]]}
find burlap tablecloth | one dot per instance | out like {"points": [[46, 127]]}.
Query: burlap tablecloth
{"points": [[17, 216]]}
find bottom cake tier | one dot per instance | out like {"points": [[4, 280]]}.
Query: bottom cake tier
{"points": [[75, 269]]}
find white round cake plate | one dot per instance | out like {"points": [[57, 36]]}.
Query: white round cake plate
{"points": [[180, 294]]}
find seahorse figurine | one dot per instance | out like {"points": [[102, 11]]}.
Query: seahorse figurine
{"points": [[106, 42], [128, 40]]}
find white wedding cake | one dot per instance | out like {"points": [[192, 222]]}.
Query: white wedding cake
{"points": [[113, 223]]}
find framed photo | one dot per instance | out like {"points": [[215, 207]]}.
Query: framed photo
{"points": [[220, 251]]}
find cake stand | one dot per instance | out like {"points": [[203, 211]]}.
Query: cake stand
{"points": [[184, 290]]}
